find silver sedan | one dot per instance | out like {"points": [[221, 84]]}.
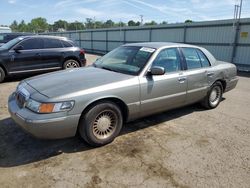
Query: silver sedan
{"points": [[130, 82]]}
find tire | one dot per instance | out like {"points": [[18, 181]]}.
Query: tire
{"points": [[101, 124], [71, 63], [2, 74], [214, 96]]}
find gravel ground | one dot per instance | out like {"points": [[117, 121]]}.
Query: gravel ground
{"points": [[187, 147]]}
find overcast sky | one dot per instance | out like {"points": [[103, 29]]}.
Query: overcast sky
{"points": [[159, 10]]}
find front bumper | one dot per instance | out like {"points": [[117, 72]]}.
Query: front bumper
{"points": [[46, 126]]}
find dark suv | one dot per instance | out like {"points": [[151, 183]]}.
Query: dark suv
{"points": [[38, 53], [6, 37]]}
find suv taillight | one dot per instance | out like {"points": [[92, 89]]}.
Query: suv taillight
{"points": [[82, 52]]}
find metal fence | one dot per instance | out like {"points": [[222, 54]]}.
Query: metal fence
{"points": [[225, 39]]}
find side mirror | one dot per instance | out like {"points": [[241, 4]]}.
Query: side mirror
{"points": [[156, 70], [18, 48]]}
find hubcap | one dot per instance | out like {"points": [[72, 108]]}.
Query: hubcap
{"points": [[71, 64], [104, 124], [215, 96]]}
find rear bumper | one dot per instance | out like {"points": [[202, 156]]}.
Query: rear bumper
{"points": [[231, 84], [43, 125]]}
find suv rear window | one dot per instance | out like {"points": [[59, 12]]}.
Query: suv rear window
{"points": [[52, 43], [66, 44]]}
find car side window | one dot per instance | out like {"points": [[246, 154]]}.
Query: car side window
{"points": [[52, 43], [203, 59], [192, 58], [168, 59], [31, 44]]}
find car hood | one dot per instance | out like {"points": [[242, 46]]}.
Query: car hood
{"points": [[61, 83], [2, 49]]}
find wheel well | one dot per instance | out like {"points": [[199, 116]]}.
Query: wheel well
{"points": [[224, 84], [123, 107], [4, 69], [72, 57]]}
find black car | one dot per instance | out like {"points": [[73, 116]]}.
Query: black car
{"points": [[6, 37], [30, 54]]}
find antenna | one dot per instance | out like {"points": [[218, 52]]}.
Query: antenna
{"points": [[141, 19]]}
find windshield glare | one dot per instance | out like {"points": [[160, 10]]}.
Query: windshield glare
{"points": [[11, 43], [126, 59]]}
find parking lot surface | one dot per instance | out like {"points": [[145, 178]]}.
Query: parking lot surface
{"points": [[186, 147]]}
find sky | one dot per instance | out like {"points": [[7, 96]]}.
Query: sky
{"points": [[172, 11]]}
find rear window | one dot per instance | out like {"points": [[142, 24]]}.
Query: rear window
{"points": [[66, 44], [203, 58], [52, 43], [192, 58]]}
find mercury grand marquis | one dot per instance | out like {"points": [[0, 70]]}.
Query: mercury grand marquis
{"points": [[130, 82]]}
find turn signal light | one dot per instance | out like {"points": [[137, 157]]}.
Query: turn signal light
{"points": [[46, 107]]}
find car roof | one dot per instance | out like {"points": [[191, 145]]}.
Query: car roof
{"points": [[158, 45], [45, 36], [17, 33]]}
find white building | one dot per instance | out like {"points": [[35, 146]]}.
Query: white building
{"points": [[5, 30]]}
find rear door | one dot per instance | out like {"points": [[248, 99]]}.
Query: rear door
{"points": [[53, 53], [162, 92], [28, 59], [196, 73]]}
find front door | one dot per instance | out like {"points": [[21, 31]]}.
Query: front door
{"points": [[27, 59], [163, 92]]}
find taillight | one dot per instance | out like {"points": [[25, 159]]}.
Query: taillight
{"points": [[82, 52]]}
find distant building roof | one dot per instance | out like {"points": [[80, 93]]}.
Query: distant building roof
{"points": [[5, 29]]}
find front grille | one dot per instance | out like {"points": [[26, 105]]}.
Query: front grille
{"points": [[20, 99]]}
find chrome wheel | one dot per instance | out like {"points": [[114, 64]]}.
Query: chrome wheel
{"points": [[104, 124], [71, 64], [215, 96]]}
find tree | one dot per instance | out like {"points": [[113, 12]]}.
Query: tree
{"points": [[188, 21], [75, 26], [22, 27], [163, 23], [133, 23], [38, 25], [14, 26], [89, 23], [151, 23], [60, 24], [109, 23]]}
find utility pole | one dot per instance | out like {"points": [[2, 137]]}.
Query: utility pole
{"points": [[141, 19], [236, 30]]}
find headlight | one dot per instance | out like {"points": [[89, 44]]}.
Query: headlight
{"points": [[49, 107]]}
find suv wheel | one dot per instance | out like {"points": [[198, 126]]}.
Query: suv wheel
{"points": [[101, 124], [71, 63], [2, 74]]}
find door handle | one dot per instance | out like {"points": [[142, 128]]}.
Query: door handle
{"points": [[210, 74], [38, 54], [182, 79]]}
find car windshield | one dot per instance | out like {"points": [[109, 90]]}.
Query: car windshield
{"points": [[11, 43], [126, 59]]}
